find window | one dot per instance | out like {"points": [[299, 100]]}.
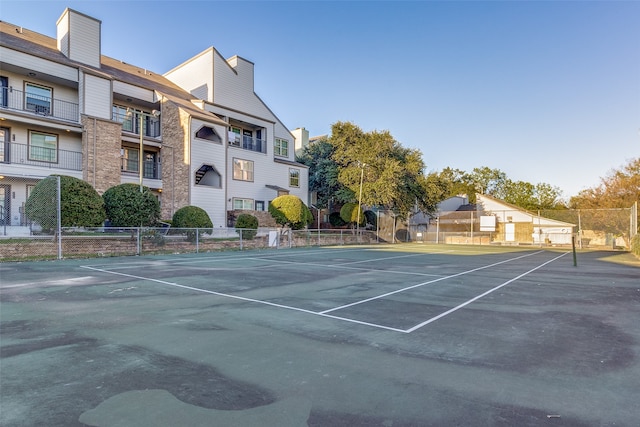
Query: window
{"points": [[294, 177], [259, 205], [243, 204], [242, 170], [121, 114], [43, 147], [208, 133], [234, 136], [281, 147], [38, 98], [130, 159]]}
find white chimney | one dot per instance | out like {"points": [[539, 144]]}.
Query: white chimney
{"points": [[79, 37]]}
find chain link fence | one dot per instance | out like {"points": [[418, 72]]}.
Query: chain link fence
{"points": [[122, 241], [586, 228]]}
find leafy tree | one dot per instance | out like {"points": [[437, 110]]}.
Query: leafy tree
{"points": [[126, 206], [488, 181], [290, 211], [247, 225], [80, 203], [619, 189], [392, 176], [349, 214], [323, 171]]}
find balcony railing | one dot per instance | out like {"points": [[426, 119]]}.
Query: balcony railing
{"points": [[131, 123], [151, 169], [49, 158], [249, 143], [39, 105]]}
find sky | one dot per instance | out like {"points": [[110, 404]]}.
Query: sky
{"points": [[545, 91]]}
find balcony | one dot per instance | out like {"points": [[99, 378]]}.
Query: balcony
{"points": [[50, 158], [249, 143], [131, 123], [38, 105], [152, 168]]}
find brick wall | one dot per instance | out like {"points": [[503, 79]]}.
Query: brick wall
{"points": [[175, 161], [101, 153]]}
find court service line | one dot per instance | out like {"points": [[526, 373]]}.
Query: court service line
{"points": [[464, 304], [272, 304], [386, 258], [427, 283], [346, 267]]}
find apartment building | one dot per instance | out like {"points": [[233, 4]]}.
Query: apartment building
{"points": [[67, 109]]}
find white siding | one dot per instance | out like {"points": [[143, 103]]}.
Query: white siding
{"points": [[196, 75], [84, 39], [208, 198], [63, 34], [233, 88], [97, 96], [134, 91], [43, 66]]}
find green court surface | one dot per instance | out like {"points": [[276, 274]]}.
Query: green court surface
{"points": [[386, 335]]}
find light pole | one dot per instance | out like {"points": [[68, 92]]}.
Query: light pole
{"points": [[362, 165], [141, 115]]}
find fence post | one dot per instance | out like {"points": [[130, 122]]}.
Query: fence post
{"points": [[197, 240], [240, 238], [139, 240], [59, 214]]}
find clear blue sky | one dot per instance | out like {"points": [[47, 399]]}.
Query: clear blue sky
{"points": [[546, 91]]}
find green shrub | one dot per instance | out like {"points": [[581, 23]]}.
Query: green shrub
{"points": [[126, 206], [192, 217], [289, 210], [349, 214], [80, 203], [336, 220], [248, 225]]}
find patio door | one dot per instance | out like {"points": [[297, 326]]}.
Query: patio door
{"points": [[4, 145], [5, 205]]}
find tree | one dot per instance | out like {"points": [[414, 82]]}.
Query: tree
{"points": [[80, 203], [619, 189], [323, 171], [126, 206], [349, 214], [290, 211], [390, 175]]}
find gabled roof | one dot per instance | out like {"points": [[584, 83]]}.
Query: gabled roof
{"points": [[32, 43]]}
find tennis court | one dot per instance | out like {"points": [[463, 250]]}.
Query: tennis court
{"points": [[385, 335]]}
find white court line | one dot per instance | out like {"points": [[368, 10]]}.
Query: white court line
{"points": [[266, 257], [385, 258], [244, 298], [345, 267], [464, 304], [426, 283], [324, 313]]}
